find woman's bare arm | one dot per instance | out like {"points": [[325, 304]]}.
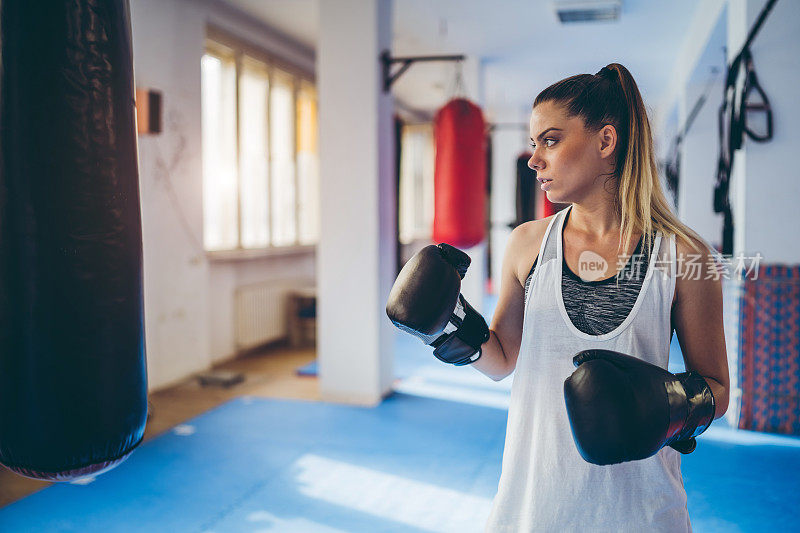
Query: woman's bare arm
{"points": [[500, 352], [697, 317]]}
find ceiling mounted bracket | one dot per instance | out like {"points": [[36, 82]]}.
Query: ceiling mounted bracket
{"points": [[387, 61]]}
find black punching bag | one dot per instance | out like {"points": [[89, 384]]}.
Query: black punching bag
{"points": [[526, 190], [73, 391]]}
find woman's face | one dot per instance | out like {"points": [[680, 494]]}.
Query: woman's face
{"points": [[571, 163]]}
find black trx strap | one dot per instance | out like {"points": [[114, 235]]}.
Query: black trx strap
{"points": [[735, 118]]}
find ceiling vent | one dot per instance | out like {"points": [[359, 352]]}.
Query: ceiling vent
{"points": [[572, 11]]}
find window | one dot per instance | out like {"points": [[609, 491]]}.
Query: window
{"points": [[416, 183], [307, 164], [260, 160], [253, 154], [220, 195], [281, 129]]}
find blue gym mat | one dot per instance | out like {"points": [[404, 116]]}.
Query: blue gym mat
{"points": [[426, 459], [411, 464]]}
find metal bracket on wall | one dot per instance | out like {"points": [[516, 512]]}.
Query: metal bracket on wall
{"points": [[387, 61]]}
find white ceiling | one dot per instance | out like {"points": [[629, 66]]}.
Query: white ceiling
{"points": [[520, 45]]}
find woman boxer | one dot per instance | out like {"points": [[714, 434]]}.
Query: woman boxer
{"points": [[592, 147], [616, 271]]}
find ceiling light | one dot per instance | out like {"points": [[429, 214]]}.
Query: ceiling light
{"points": [[571, 11]]}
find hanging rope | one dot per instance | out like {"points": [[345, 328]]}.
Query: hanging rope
{"points": [[457, 87]]}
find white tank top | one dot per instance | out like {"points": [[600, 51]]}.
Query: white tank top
{"points": [[545, 484]]}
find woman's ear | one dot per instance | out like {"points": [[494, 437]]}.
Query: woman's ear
{"points": [[608, 140]]}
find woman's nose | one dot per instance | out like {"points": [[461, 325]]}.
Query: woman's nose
{"points": [[534, 163]]}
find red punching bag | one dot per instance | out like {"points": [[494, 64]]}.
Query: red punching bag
{"points": [[460, 174], [546, 207]]}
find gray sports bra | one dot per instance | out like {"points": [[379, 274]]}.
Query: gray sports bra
{"points": [[597, 307]]}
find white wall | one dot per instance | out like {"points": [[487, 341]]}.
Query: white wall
{"points": [[689, 47], [698, 172], [188, 299], [765, 187], [769, 189]]}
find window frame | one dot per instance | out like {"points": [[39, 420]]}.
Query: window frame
{"points": [[220, 43]]}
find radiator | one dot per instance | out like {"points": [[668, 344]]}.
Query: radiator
{"points": [[260, 313]]}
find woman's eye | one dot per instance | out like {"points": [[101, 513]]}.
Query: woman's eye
{"points": [[548, 143]]}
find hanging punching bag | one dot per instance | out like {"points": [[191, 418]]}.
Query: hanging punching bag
{"points": [[460, 174], [526, 190], [546, 207], [532, 201], [73, 393]]}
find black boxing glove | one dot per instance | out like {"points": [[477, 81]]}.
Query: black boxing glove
{"points": [[622, 408], [425, 301]]}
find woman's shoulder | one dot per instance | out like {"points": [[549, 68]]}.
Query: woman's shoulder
{"points": [[533, 225], [698, 263], [691, 243], [524, 244]]}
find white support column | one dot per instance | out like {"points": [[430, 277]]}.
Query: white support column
{"points": [[356, 252]]}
